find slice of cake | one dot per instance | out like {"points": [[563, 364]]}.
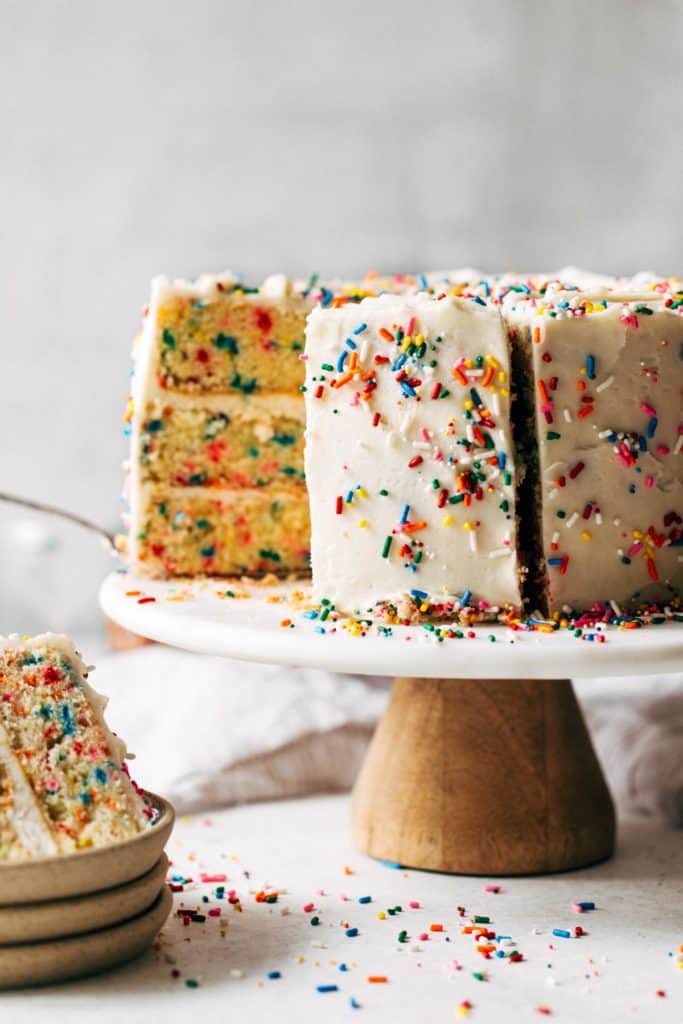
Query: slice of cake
{"points": [[63, 785], [410, 458], [606, 373], [217, 484]]}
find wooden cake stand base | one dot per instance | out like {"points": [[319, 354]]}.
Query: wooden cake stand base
{"points": [[483, 777]]}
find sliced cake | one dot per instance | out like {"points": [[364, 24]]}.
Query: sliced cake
{"points": [[410, 458], [217, 483], [606, 374], [63, 784]]}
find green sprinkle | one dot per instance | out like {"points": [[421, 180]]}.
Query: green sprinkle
{"points": [[227, 343], [191, 983], [315, 920], [273, 556], [560, 513], [387, 545], [482, 919], [167, 338], [327, 366], [384, 493], [418, 556], [403, 936], [435, 484], [552, 435]]}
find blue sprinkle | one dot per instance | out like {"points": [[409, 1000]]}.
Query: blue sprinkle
{"points": [[502, 459], [405, 513], [554, 561], [562, 933], [342, 967], [319, 629], [399, 362], [586, 905], [68, 727], [563, 305], [354, 1004], [500, 953], [351, 933], [423, 282], [465, 597], [590, 367], [100, 775], [365, 899], [407, 389], [475, 298], [327, 988], [652, 426], [419, 594], [631, 488], [360, 328], [391, 864], [642, 443], [326, 298], [349, 497], [475, 397], [273, 975], [312, 614], [341, 361], [351, 343]]}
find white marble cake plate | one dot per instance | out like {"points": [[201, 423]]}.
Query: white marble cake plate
{"points": [[191, 615], [42, 963], [56, 919]]}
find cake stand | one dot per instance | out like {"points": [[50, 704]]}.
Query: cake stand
{"points": [[482, 763]]}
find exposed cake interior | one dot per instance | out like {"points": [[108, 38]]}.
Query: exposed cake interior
{"points": [[63, 785]]}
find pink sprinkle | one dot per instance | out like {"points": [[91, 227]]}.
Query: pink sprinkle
{"points": [[414, 904], [212, 878], [635, 548], [215, 912], [308, 907], [491, 888], [424, 433], [663, 449], [646, 407], [356, 398], [423, 936], [411, 325], [649, 481]]}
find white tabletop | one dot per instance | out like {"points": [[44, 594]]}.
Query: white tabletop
{"points": [[612, 974]]}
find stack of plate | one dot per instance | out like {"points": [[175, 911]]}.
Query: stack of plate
{"points": [[70, 916]]}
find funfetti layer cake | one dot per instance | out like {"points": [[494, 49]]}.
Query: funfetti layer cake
{"points": [[217, 484], [63, 786], [607, 374], [409, 457]]}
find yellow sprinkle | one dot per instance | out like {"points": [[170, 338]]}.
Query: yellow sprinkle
{"points": [[381, 916], [468, 525], [447, 520], [582, 371], [589, 307], [502, 376], [504, 392], [540, 310], [585, 535], [419, 338], [469, 364], [424, 607], [362, 522], [492, 361], [469, 404], [637, 534], [407, 342], [361, 492]]}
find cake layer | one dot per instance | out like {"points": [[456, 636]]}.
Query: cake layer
{"points": [[62, 784], [217, 336], [608, 380], [410, 458], [222, 441], [197, 531]]}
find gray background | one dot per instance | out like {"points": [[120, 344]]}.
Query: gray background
{"points": [[144, 137]]}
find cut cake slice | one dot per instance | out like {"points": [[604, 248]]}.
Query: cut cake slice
{"points": [[63, 786], [410, 458]]}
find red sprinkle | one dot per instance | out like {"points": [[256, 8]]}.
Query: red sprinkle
{"points": [[339, 505], [415, 461]]}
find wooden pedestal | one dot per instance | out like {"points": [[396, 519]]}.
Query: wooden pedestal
{"points": [[483, 777]]}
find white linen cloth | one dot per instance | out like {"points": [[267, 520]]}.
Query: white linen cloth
{"points": [[208, 732]]}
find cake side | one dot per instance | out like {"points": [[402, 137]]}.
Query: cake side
{"points": [[62, 778], [216, 471], [608, 379], [409, 458]]}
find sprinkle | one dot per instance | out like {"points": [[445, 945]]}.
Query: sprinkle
{"points": [[575, 470], [378, 979], [387, 546], [339, 505], [327, 988], [562, 933], [415, 461], [360, 328], [273, 975], [607, 382]]}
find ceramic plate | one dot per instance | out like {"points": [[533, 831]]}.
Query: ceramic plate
{"points": [[35, 922], [77, 874], [41, 963], [267, 624]]}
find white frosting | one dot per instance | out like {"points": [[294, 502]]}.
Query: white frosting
{"points": [[345, 451], [24, 813], [635, 368]]}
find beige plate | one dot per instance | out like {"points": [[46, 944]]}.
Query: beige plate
{"points": [[41, 963], [77, 874], [36, 922]]}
